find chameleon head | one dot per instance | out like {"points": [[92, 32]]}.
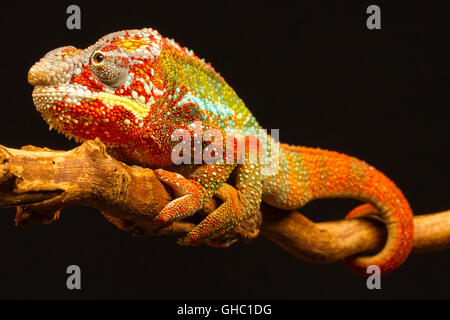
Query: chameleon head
{"points": [[104, 91]]}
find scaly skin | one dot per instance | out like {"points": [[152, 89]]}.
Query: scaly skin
{"points": [[133, 89]]}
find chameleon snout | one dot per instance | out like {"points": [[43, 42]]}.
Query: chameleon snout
{"points": [[41, 74], [37, 76], [56, 67]]}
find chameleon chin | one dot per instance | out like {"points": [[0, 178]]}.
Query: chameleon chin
{"points": [[132, 89]]}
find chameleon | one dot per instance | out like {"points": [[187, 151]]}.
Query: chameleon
{"points": [[133, 89]]}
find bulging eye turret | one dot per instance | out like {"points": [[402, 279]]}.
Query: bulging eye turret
{"points": [[109, 63], [97, 58]]}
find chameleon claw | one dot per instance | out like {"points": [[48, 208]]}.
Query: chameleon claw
{"points": [[220, 221]]}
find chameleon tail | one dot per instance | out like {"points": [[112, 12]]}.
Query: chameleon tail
{"points": [[331, 174]]}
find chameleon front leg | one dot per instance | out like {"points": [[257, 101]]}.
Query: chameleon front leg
{"points": [[192, 193], [230, 213], [202, 184]]}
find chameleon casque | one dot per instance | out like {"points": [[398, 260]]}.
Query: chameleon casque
{"points": [[132, 89]]}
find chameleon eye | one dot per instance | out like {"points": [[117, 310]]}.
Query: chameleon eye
{"points": [[110, 65], [97, 58]]}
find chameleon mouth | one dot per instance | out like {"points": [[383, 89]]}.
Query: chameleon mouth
{"points": [[78, 113], [44, 96]]}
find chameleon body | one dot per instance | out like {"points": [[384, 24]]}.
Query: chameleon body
{"points": [[132, 89]]}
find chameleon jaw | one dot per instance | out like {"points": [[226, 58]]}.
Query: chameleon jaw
{"points": [[77, 112], [45, 95]]}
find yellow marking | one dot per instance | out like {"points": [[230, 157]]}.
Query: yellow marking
{"points": [[140, 111], [70, 52], [131, 44]]}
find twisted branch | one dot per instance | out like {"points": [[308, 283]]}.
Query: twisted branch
{"points": [[40, 182]]}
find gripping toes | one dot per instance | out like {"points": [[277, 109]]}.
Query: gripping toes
{"points": [[223, 219], [189, 201], [218, 220]]}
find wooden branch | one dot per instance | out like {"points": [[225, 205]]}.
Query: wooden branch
{"points": [[41, 182], [330, 241]]}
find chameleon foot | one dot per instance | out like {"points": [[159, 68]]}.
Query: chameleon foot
{"points": [[223, 219], [189, 198]]}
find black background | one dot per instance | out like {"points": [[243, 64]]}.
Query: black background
{"points": [[314, 71]]}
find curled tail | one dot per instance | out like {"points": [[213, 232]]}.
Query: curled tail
{"points": [[396, 249], [331, 175]]}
